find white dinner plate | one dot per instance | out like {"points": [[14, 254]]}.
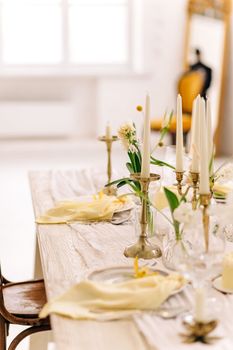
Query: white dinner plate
{"points": [[126, 207], [217, 283], [121, 274]]}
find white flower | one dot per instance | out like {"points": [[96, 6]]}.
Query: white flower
{"points": [[225, 173], [127, 134], [184, 214], [132, 149], [126, 130]]}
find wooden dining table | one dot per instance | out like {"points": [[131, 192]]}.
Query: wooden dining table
{"points": [[68, 253]]}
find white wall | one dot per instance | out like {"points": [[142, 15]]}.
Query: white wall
{"points": [[99, 99], [163, 56], [80, 92]]}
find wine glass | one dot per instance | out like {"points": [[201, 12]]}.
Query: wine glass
{"points": [[200, 265]]}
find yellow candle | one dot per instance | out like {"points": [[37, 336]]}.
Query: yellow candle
{"points": [[204, 158], [179, 136], [145, 171]]}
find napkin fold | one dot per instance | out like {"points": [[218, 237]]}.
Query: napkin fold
{"points": [[99, 300], [98, 207]]}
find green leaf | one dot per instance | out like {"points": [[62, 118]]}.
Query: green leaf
{"points": [[139, 151], [129, 167], [132, 159], [163, 132], [117, 181], [138, 163], [161, 163], [211, 160], [219, 195], [172, 199], [170, 117], [135, 185], [120, 184], [173, 202]]}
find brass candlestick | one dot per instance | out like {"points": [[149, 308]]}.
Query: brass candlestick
{"points": [[109, 190], [143, 248], [179, 179], [205, 201], [195, 179], [199, 331]]}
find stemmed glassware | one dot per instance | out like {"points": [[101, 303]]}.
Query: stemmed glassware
{"points": [[200, 266]]}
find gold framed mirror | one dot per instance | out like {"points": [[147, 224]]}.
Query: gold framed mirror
{"points": [[206, 42]]}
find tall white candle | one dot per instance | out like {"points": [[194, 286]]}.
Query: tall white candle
{"points": [[210, 144], [194, 108], [195, 146], [108, 131], [145, 171], [200, 305], [179, 136], [204, 157]]}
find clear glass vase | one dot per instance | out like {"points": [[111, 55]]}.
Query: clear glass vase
{"points": [[151, 221], [174, 251], [187, 253]]}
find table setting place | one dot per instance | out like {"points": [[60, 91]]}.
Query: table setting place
{"points": [[155, 243]]}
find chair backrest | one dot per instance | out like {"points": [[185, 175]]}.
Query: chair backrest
{"points": [[10, 318], [3, 311], [190, 84]]}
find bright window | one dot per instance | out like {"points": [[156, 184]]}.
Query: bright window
{"points": [[52, 32]]}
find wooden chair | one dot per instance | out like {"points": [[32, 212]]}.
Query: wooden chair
{"points": [[190, 85], [20, 304]]}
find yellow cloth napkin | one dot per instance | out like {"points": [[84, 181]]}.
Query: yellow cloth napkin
{"points": [[98, 207], [92, 300]]}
